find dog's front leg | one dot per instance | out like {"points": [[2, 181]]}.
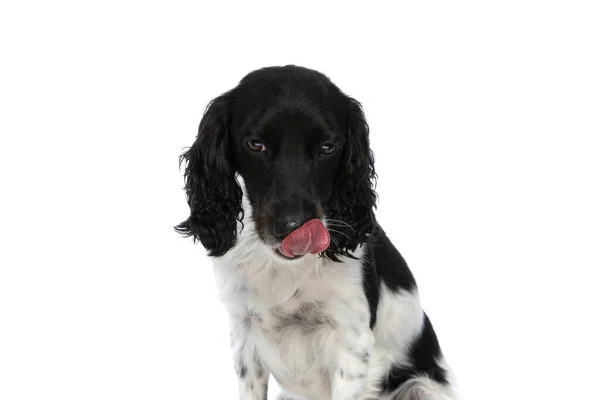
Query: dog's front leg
{"points": [[253, 377], [352, 365]]}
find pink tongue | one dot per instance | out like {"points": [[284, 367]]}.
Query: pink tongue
{"points": [[312, 237]]}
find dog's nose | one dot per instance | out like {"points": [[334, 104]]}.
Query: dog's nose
{"points": [[286, 225]]}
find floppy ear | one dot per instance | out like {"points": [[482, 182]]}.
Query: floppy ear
{"points": [[354, 196], [213, 194]]}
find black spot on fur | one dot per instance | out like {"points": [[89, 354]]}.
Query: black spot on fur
{"points": [[265, 390], [243, 370], [370, 282], [361, 354], [423, 354], [383, 264], [254, 314], [351, 377], [308, 316], [258, 367]]}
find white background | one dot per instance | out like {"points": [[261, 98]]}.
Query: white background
{"points": [[485, 125]]}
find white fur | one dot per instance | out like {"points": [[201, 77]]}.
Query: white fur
{"points": [[306, 322]]}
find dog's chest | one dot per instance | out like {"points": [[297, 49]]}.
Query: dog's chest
{"points": [[292, 340], [295, 323]]}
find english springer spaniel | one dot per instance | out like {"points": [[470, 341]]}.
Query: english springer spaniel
{"points": [[280, 183]]}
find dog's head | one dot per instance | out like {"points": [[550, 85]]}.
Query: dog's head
{"points": [[302, 149]]}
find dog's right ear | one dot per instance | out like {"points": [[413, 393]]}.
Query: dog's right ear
{"points": [[213, 193]]}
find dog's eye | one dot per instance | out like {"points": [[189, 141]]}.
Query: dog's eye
{"points": [[255, 145], [327, 148]]}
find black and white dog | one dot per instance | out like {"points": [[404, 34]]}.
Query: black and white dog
{"points": [[280, 183]]}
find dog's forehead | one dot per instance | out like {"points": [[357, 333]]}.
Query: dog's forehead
{"points": [[306, 105], [274, 124], [294, 122]]}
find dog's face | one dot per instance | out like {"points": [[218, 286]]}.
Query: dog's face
{"points": [[301, 147], [289, 160]]}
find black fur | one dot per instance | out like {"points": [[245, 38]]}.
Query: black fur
{"points": [[424, 351], [383, 265], [391, 268], [294, 111], [212, 191], [354, 198]]}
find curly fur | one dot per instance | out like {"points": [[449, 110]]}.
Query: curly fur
{"points": [[354, 198], [213, 194]]}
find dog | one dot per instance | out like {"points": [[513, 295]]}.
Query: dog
{"points": [[280, 184]]}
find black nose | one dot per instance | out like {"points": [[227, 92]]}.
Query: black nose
{"points": [[286, 225]]}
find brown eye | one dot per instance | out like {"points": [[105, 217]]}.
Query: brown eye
{"points": [[327, 148], [255, 145]]}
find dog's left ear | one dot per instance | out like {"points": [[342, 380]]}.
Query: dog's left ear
{"points": [[213, 194], [355, 198]]}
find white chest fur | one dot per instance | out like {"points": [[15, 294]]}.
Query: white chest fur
{"points": [[294, 314]]}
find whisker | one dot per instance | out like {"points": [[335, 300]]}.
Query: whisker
{"points": [[341, 233], [336, 220], [328, 220], [340, 226], [335, 241]]}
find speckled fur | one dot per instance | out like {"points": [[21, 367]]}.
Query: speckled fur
{"points": [[306, 322]]}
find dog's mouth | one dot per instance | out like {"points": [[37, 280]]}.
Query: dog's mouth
{"points": [[280, 254], [312, 237]]}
